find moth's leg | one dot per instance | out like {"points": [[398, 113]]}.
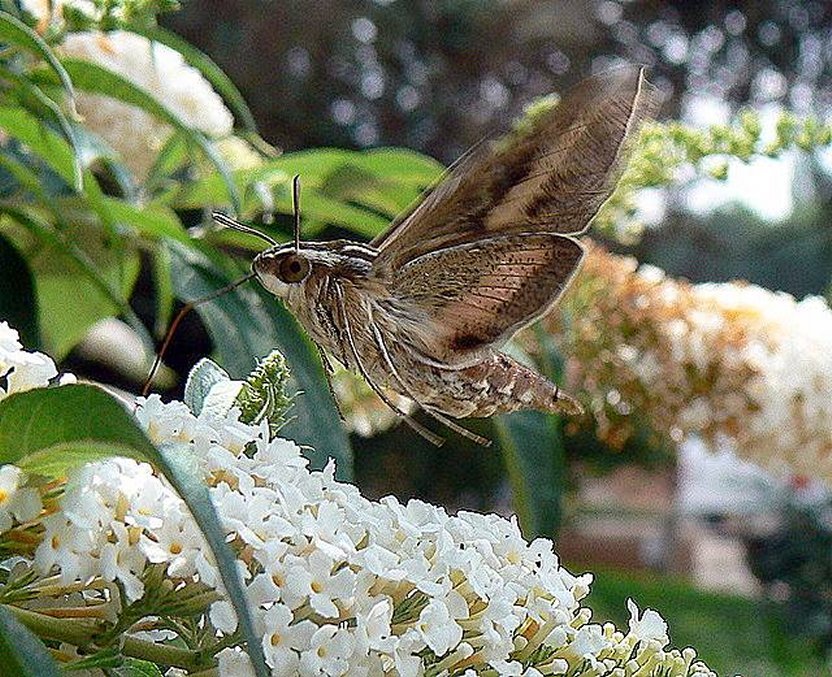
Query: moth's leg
{"points": [[329, 370], [430, 436], [444, 420]]}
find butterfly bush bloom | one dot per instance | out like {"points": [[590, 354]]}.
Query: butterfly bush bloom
{"points": [[161, 72], [730, 362], [338, 584]]}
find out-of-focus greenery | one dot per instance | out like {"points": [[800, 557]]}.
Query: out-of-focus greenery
{"points": [[759, 642]]}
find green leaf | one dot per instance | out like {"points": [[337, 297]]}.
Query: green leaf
{"points": [[90, 77], [14, 31], [43, 142], [150, 221], [95, 273], [21, 653], [33, 98], [52, 430], [18, 303], [205, 65], [358, 190], [204, 375], [248, 324], [133, 667], [531, 443]]}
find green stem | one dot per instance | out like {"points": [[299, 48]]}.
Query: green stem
{"points": [[83, 633], [73, 631], [163, 654]]}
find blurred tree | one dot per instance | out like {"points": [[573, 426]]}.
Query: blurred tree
{"points": [[437, 76]]}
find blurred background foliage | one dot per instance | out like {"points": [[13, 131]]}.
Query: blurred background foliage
{"points": [[97, 223]]}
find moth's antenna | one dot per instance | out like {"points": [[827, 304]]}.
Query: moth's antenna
{"points": [[296, 209], [228, 222], [188, 307]]}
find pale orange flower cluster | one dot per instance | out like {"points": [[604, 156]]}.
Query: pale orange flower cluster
{"points": [[730, 362]]}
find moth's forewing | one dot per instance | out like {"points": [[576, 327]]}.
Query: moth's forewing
{"points": [[554, 179]]}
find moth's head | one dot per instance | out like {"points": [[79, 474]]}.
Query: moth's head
{"points": [[284, 268]]}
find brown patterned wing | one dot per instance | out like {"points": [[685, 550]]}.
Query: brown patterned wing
{"points": [[554, 179], [463, 300]]}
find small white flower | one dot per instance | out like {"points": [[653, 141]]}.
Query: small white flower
{"points": [[283, 639], [223, 617], [329, 652], [373, 628], [176, 543], [315, 581], [21, 370], [17, 503], [121, 560], [68, 547], [234, 662], [438, 629], [650, 626], [589, 641]]}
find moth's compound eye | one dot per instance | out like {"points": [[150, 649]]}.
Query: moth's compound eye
{"points": [[293, 269]]}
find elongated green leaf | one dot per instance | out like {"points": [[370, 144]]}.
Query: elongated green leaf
{"points": [[358, 190], [14, 31], [151, 221], [248, 324], [532, 447], [44, 143], [51, 430], [90, 77], [35, 100], [212, 72], [18, 303], [178, 468], [133, 667], [21, 653]]}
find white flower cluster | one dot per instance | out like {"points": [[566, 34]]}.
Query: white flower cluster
{"points": [[786, 347], [20, 369], [136, 135], [338, 584]]}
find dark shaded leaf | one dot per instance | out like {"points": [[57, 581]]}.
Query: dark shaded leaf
{"points": [[532, 446], [21, 653], [18, 303]]}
